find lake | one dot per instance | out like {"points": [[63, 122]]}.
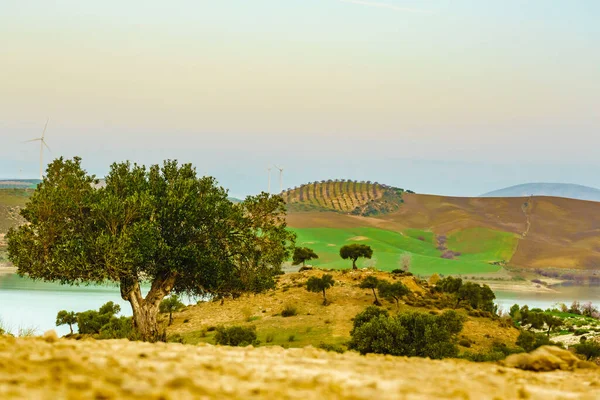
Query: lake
{"points": [[25, 303]]}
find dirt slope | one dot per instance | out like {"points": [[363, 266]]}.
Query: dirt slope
{"points": [[68, 369], [561, 233]]}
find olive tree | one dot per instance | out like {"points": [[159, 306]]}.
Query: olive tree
{"points": [[302, 255], [392, 291], [371, 282], [170, 305], [162, 224], [355, 251], [317, 285], [65, 317]]}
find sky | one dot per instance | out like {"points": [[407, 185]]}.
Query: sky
{"points": [[454, 97]]}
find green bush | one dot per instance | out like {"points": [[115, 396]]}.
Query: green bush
{"points": [[236, 336], [588, 348], [366, 316], [413, 334], [529, 341], [464, 343], [119, 328]]}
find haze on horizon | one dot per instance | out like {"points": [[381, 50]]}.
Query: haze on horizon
{"points": [[456, 97]]}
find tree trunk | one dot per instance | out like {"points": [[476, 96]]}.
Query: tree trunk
{"points": [[354, 263], [71, 328], [145, 310], [324, 298], [170, 318], [377, 303]]}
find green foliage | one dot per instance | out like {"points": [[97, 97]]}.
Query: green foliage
{"points": [[236, 336], [371, 282], [589, 349], [355, 251], [91, 322], [163, 224], [302, 255], [366, 316], [529, 341], [66, 318], [118, 328], [392, 291], [449, 284], [316, 285], [468, 294], [411, 334], [170, 305]]}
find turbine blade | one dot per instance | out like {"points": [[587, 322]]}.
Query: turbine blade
{"points": [[32, 140], [45, 126], [43, 141]]}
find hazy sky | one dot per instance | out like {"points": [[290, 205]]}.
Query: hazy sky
{"points": [[441, 96]]}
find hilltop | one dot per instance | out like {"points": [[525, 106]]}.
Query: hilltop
{"points": [[566, 190], [314, 323], [345, 196]]}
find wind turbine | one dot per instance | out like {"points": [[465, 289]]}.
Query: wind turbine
{"points": [[280, 178], [42, 144], [269, 169]]}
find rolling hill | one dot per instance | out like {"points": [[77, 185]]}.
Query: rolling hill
{"points": [[548, 189], [457, 235]]}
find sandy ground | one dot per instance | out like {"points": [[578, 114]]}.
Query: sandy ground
{"points": [[32, 368]]}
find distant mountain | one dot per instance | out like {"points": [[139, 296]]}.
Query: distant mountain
{"points": [[566, 190]]}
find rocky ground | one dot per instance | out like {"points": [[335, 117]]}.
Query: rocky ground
{"points": [[36, 368]]}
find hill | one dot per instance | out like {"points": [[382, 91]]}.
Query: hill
{"points": [[345, 196], [315, 324], [460, 235], [34, 368], [566, 190]]}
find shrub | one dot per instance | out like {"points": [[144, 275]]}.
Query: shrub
{"points": [[236, 336], [464, 343], [292, 338], [588, 348], [530, 341], [119, 328], [270, 337], [407, 334], [289, 311], [366, 316]]}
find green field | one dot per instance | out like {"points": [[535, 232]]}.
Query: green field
{"points": [[479, 248]]}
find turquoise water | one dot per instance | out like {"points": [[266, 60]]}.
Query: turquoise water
{"points": [[25, 303]]}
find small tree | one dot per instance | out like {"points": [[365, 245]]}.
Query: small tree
{"points": [[371, 282], [170, 305], [303, 254], [392, 291], [356, 251], [321, 284], [66, 318], [552, 322]]}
